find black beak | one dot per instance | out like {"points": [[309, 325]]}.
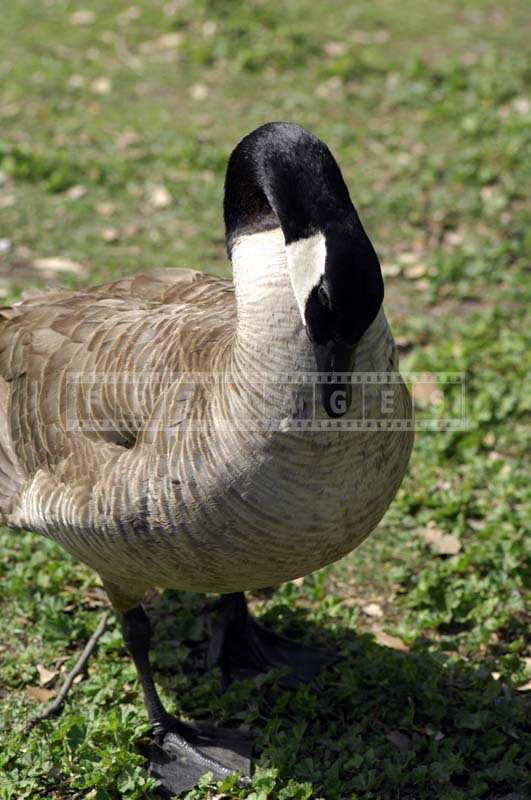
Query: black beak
{"points": [[334, 358]]}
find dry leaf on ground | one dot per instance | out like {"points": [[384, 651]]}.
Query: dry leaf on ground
{"points": [[168, 41], [387, 640], [373, 610], [336, 49], [199, 91], [433, 733], [40, 694], [76, 192], [446, 544], [159, 197], [46, 675], [95, 597], [83, 17], [408, 257], [391, 270], [426, 391], [110, 235], [101, 85], [58, 264], [415, 271]]}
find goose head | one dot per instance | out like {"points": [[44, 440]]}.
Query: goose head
{"points": [[283, 175]]}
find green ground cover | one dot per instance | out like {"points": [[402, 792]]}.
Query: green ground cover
{"points": [[115, 124]]}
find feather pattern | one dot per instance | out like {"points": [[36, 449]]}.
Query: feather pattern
{"points": [[173, 479]]}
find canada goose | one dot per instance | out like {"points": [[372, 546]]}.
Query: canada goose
{"points": [[155, 426]]}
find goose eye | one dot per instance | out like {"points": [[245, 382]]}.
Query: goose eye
{"points": [[323, 296]]}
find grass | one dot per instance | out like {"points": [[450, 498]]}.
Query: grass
{"points": [[426, 108]]}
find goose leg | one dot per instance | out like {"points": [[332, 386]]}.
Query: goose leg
{"points": [[184, 752], [240, 644]]}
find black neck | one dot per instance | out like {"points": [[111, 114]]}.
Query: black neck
{"points": [[280, 174]]}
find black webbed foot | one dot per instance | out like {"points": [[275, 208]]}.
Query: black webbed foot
{"points": [[240, 645], [185, 752]]}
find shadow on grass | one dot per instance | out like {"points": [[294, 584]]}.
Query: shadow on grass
{"points": [[380, 724]]}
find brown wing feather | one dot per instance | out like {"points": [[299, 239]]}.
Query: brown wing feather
{"points": [[56, 348]]}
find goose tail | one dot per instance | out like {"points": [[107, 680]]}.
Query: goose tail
{"points": [[11, 475]]}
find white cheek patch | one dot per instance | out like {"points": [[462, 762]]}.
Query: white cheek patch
{"points": [[306, 262]]}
